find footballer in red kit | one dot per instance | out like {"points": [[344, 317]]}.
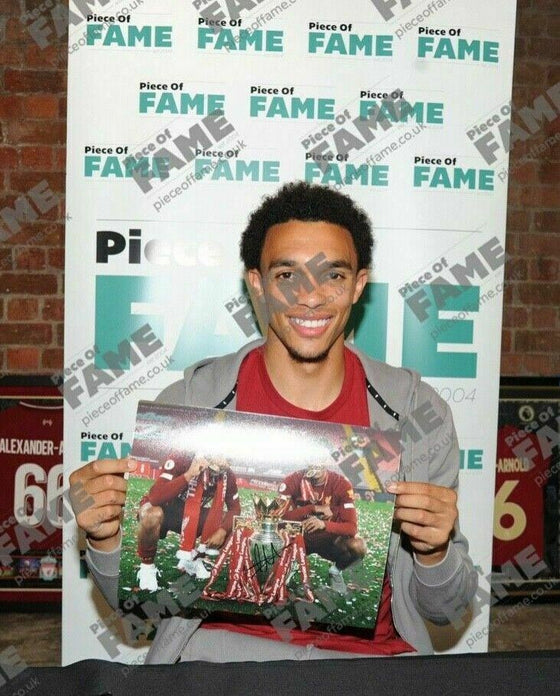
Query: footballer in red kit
{"points": [[323, 501], [188, 497]]}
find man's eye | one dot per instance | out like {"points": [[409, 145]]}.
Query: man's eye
{"points": [[285, 275], [335, 275]]}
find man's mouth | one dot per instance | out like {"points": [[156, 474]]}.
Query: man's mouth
{"points": [[310, 323]]}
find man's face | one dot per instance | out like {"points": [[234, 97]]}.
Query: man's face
{"points": [[309, 280]]}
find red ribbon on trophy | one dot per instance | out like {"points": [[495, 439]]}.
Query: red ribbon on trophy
{"points": [[242, 580], [275, 590]]}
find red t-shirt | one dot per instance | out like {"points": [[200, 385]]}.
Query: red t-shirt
{"points": [[256, 394]]}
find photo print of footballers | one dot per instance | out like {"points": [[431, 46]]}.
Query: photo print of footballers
{"points": [[296, 514]]}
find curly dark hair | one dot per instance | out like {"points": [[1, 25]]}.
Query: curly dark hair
{"points": [[300, 200]]}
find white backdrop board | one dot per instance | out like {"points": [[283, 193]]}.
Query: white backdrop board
{"points": [[182, 116]]}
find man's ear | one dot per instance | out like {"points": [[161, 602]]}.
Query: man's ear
{"points": [[254, 279], [361, 280]]}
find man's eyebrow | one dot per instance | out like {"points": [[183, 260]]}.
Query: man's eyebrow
{"points": [[290, 263], [339, 263]]}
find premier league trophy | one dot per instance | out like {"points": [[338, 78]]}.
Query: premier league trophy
{"points": [[265, 543]]}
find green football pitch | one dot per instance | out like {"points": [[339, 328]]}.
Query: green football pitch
{"points": [[355, 609]]}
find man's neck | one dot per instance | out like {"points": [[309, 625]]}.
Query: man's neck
{"points": [[307, 385]]}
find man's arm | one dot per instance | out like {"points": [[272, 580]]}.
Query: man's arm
{"points": [[103, 483], [444, 580]]}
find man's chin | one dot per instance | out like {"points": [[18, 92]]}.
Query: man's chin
{"points": [[298, 357]]}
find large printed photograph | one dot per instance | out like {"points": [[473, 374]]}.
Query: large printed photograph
{"points": [[258, 513]]}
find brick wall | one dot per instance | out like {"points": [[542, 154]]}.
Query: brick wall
{"points": [[531, 327], [32, 153]]}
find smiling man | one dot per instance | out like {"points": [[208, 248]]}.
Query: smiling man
{"points": [[307, 250]]}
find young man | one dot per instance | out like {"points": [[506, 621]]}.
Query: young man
{"points": [[307, 250]]}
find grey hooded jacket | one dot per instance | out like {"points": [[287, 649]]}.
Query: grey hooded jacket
{"points": [[397, 399]]}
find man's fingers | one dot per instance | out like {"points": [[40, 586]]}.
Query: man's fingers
{"points": [[108, 482], [421, 502], [423, 489], [100, 467]]}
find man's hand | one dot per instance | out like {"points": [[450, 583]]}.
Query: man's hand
{"points": [[324, 511], [427, 514], [197, 466], [101, 483], [313, 524], [216, 540]]}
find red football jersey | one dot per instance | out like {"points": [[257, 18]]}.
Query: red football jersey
{"points": [[256, 394], [336, 492]]}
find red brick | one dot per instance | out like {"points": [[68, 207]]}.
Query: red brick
{"points": [[40, 234], [529, 196], [53, 358], [547, 220], [8, 8], [540, 244], [549, 172], [544, 48], [62, 107], [25, 334], [15, 31], [544, 317], [519, 220], [531, 26], [53, 309], [541, 294], [8, 157], [31, 259], [511, 364], [526, 173], [37, 157], [50, 81], [515, 316], [48, 57], [35, 132], [41, 106], [514, 195], [28, 284], [512, 239], [551, 128], [59, 334], [11, 56], [544, 269], [549, 196], [537, 341], [23, 358], [527, 73], [516, 269], [24, 181], [520, 47], [506, 340], [21, 309], [56, 258], [59, 159], [542, 365], [6, 259]]}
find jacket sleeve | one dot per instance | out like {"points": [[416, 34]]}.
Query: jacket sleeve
{"points": [[441, 592], [104, 568]]}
